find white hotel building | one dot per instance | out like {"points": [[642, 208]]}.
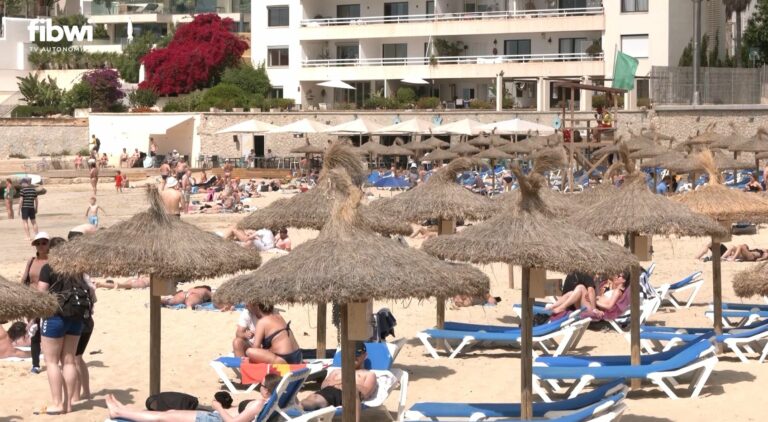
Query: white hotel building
{"points": [[375, 45]]}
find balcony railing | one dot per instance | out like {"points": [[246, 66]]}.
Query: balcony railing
{"points": [[160, 7], [440, 60], [502, 14]]}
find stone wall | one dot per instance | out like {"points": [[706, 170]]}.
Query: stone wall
{"points": [[33, 137]]}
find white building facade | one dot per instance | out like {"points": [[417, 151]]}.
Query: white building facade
{"points": [[460, 46]]}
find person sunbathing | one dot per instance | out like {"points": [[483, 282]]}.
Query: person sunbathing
{"points": [[330, 390], [262, 240], [191, 298], [118, 410], [462, 301], [138, 282], [422, 232], [703, 253], [744, 253], [7, 349], [607, 296], [264, 337]]}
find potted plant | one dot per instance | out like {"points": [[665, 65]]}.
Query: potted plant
{"points": [[595, 49]]}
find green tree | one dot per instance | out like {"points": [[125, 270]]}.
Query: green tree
{"points": [[40, 92], [249, 79], [224, 96], [738, 7], [128, 63], [756, 34]]}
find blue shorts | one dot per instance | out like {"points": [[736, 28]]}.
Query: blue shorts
{"points": [[93, 220], [57, 327], [202, 416]]}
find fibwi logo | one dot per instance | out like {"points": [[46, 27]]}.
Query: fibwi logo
{"points": [[45, 31]]}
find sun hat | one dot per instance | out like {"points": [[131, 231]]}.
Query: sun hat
{"points": [[39, 236]]}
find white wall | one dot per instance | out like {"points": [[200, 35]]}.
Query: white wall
{"points": [[263, 37], [14, 44]]}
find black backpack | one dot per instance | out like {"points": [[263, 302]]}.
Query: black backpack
{"points": [[171, 400], [73, 297]]}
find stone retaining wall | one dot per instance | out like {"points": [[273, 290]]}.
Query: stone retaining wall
{"points": [[33, 137]]}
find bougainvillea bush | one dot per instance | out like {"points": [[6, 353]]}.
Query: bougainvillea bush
{"points": [[104, 87], [195, 58]]}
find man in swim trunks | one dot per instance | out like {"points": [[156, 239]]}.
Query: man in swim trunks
{"points": [[165, 171], [172, 197], [191, 298], [330, 391]]}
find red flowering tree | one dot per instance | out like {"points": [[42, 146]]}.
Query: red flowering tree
{"points": [[195, 58]]}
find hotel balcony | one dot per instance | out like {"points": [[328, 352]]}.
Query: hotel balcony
{"points": [[537, 16], [453, 67], [153, 11]]}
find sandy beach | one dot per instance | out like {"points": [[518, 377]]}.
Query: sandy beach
{"points": [[118, 352]]}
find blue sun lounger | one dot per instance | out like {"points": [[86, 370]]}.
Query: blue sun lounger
{"points": [[553, 338], [663, 369], [478, 411], [606, 410], [693, 282], [738, 317], [742, 341]]}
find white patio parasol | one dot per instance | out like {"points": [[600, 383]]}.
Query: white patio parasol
{"points": [[466, 127], [130, 30], [414, 81], [516, 127], [302, 126], [335, 83], [357, 126], [249, 126], [408, 127]]}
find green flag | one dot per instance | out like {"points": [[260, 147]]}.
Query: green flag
{"points": [[624, 71]]}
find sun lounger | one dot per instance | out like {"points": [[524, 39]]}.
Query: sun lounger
{"points": [[233, 363], [647, 308], [742, 341], [697, 358], [692, 282], [552, 338], [738, 318], [480, 411]]}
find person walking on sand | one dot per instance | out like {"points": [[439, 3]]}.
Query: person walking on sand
{"points": [[28, 205], [172, 198], [30, 278], [119, 182], [92, 212], [94, 174], [8, 194], [165, 172]]}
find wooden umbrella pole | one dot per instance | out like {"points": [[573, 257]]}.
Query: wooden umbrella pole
{"points": [[635, 317], [154, 334], [444, 226], [511, 269], [348, 385], [717, 291], [322, 311], [526, 348]]}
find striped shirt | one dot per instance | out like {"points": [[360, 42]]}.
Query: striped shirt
{"points": [[28, 196]]}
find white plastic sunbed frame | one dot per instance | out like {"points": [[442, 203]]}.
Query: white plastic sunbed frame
{"points": [[668, 294]]}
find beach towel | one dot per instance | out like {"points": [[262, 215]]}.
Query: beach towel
{"points": [[618, 308]]}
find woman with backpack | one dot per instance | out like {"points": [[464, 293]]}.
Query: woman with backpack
{"points": [[61, 333]]}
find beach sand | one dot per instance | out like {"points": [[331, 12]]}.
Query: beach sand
{"points": [[118, 351]]}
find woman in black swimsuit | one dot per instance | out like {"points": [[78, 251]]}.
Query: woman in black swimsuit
{"points": [[273, 340]]}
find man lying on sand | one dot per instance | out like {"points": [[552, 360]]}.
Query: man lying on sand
{"points": [[744, 253], [138, 282]]}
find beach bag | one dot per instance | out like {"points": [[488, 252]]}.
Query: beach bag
{"points": [[171, 400], [74, 300], [253, 373]]}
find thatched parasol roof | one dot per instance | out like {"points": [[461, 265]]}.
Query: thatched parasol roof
{"points": [[529, 145], [372, 147], [728, 141], [752, 282], [529, 236], [312, 209], [655, 135], [493, 153], [653, 151], [592, 195], [308, 148], [153, 242], [637, 142], [348, 262], [691, 163], [18, 301], [464, 148], [395, 149], [633, 208], [663, 160], [439, 197], [720, 202], [483, 140], [707, 137], [758, 143], [439, 154], [436, 143]]}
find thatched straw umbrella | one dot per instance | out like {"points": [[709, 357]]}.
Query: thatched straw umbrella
{"points": [[439, 198], [705, 138], [439, 155], [347, 263], [724, 205], [530, 237], [653, 151], [308, 149], [752, 282], [464, 149], [18, 301], [436, 143], [395, 150], [728, 141], [758, 143], [373, 149], [483, 140], [655, 135], [633, 210], [162, 245], [493, 154], [312, 209]]}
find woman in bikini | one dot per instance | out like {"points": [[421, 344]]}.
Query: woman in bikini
{"points": [[191, 298], [271, 339], [744, 253]]}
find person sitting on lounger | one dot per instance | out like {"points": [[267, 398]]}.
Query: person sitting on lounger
{"points": [[264, 337], [753, 185], [118, 410], [7, 349], [330, 390], [192, 297], [744, 253], [608, 295]]}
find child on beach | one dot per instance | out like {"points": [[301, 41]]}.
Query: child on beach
{"points": [[92, 212], [119, 182]]}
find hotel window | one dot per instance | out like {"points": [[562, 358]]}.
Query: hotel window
{"points": [[396, 9], [471, 6], [573, 45], [276, 92], [430, 7], [515, 47], [278, 56], [348, 11], [634, 6], [277, 16], [348, 52], [635, 45], [394, 51], [573, 4]]}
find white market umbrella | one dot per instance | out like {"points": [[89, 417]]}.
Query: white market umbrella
{"points": [[408, 127], [467, 127], [142, 73], [130, 30], [517, 127], [335, 83], [414, 81], [358, 126], [249, 126], [302, 126]]}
